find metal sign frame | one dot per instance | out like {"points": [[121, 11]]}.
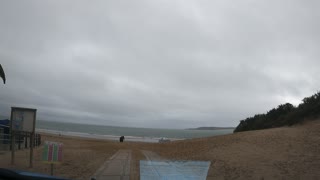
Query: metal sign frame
{"points": [[13, 130], [52, 153], [14, 120]]}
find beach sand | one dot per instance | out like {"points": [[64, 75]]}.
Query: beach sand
{"points": [[279, 153]]}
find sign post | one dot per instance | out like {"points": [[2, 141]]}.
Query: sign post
{"points": [[22, 120], [52, 153]]}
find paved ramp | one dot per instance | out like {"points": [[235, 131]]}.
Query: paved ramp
{"points": [[152, 156], [157, 168], [116, 168]]}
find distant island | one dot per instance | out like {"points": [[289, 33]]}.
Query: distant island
{"points": [[210, 128]]}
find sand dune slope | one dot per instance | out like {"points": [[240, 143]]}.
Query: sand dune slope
{"points": [[280, 153]]}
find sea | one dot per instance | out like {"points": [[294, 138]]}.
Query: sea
{"points": [[130, 133]]}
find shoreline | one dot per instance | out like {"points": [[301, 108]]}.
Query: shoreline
{"points": [[103, 137], [277, 153]]}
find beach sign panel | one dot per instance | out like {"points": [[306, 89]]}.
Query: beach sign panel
{"points": [[52, 152], [23, 119]]}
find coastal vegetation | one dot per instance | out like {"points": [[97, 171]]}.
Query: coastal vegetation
{"points": [[283, 115]]}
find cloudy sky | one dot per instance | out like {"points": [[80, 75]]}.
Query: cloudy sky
{"points": [[168, 64]]}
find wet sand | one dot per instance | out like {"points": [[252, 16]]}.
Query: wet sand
{"points": [[280, 153]]}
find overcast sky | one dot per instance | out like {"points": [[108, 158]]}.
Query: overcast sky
{"points": [[166, 64]]}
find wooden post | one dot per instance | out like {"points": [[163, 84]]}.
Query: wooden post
{"points": [[51, 167], [12, 140], [36, 140], [32, 137], [12, 147], [26, 140], [31, 149], [19, 140], [29, 140]]}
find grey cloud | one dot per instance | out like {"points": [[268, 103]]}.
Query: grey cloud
{"points": [[157, 63]]}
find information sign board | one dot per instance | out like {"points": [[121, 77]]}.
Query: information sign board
{"points": [[52, 152], [23, 119]]}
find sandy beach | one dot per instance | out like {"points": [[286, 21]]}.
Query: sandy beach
{"points": [[280, 153]]}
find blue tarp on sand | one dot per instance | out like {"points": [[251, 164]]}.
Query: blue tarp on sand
{"points": [[174, 170]]}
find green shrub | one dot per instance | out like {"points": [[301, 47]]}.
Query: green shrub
{"points": [[283, 115]]}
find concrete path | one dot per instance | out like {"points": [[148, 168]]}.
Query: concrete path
{"points": [[116, 168], [152, 156]]}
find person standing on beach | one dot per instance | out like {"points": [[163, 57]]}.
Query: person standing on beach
{"points": [[121, 138]]}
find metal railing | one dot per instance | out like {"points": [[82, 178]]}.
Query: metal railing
{"points": [[22, 140]]}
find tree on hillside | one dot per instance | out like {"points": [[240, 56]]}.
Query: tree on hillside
{"points": [[283, 115]]}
